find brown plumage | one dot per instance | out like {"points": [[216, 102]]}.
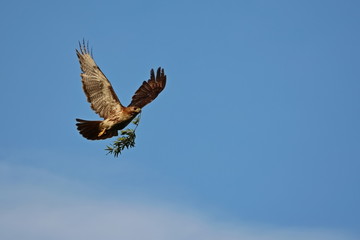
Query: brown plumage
{"points": [[104, 101]]}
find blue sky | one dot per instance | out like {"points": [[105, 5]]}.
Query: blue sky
{"points": [[256, 135]]}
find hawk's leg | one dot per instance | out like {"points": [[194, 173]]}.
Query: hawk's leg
{"points": [[102, 132]]}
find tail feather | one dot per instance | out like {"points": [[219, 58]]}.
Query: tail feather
{"points": [[91, 130]]}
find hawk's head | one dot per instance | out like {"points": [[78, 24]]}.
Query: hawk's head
{"points": [[134, 110]]}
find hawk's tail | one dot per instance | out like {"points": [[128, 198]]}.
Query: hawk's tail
{"points": [[91, 130]]}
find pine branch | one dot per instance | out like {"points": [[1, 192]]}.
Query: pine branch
{"points": [[127, 140]]}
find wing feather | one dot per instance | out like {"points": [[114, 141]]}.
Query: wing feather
{"points": [[149, 90], [96, 86]]}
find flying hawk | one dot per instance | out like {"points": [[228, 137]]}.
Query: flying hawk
{"points": [[104, 101]]}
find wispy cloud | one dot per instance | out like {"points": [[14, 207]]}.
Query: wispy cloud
{"points": [[32, 209]]}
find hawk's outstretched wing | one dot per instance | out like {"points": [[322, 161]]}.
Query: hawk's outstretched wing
{"points": [[149, 90], [97, 87]]}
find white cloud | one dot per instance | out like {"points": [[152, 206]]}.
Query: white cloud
{"points": [[35, 210]]}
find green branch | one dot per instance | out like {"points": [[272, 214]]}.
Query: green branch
{"points": [[127, 139]]}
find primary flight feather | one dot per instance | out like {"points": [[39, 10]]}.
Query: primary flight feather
{"points": [[105, 102]]}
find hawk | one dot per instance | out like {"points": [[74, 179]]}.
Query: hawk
{"points": [[104, 101]]}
